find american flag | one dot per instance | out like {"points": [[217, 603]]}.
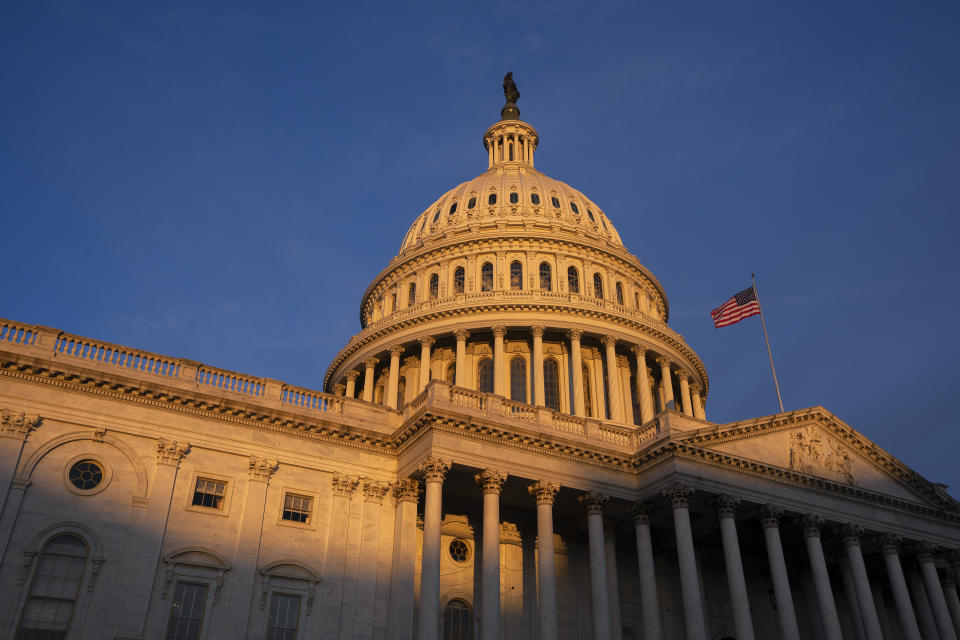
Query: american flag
{"points": [[740, 306]]}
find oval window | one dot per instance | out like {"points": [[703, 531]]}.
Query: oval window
{"points": [[459, 550], [86, 474], [534, 198]]}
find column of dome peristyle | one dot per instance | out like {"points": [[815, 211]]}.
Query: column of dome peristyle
{"points": [[510, 141]]}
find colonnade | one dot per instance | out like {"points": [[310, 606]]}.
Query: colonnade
{"points": [[650, 392], [933, 593], [499, 146]]}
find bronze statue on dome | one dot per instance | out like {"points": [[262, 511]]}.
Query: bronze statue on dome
{"points": [[510, 89]]}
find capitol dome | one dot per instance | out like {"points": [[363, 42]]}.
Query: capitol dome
{"points": [[517, 284]]}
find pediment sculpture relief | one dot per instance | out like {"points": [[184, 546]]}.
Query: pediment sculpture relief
{"points": [[811, 451]]}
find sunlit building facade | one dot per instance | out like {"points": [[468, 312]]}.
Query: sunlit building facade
{"points": [[516, 446]]}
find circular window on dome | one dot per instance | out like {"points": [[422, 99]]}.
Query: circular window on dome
{"points": [[86, 475], [459, 550]]}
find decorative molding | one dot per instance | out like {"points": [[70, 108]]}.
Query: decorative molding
{"points": [[371, 362], [17, 425], [538, 330], [770, 516], [812, 525], [406, 490], [397, 350], [851, 534], [99, 435], [434, 469], [490, 480], [593, 502], [374, 491], [353, 374], [574, 334], [609, 341], [461, 335], [889, 544], [681, 374], [427, 341], [807, 455], [499, 331], [262, 469], [343, 485], [171, 452], [679, 495], [544, 491], [726, 506], [641, 512]]}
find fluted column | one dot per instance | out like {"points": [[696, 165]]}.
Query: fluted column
{"points": [[650, 606], [402, 587], [686, 556], [491, 481], [499, 379], [351, 391], [613, 579], [593, 503], [726, 507], [812, 526], [434, 471], [370, 364], [576, 364], [643, 384], [898, 586], [538, 391], [697, 401], [394, 378], [425, 343], [941, 613], [667, 382], [861, 582], [786, 616], [683, 377], [545, 493], [613, 379], [953, 601], [461, 368]]}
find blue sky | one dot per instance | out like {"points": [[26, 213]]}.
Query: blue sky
{"points": [[222, 182]]}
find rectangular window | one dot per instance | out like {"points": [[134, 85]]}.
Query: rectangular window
{"points": [[297, 508], [284, 616], [186, 611], [209, 493]]}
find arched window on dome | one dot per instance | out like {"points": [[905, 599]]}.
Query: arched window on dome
{"points": [[436, 216], [573, 207], [619, 294], [511, 151], [573, 280], [518, 379], [451, 376], [54, 588], [492, 199], [486, 277], [453, 208], [597, 285], [551, 384], [514, 197], [412, 294], [471, 203], [424, 224], [516, 275], [555, 201], [458, 280], [587, 400], [590, 215], [534, 198], [434, 286], [485, 375], [457, 616], [546, 277]]}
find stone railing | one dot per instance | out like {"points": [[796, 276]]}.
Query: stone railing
{"points": [[17, 333], [519, 410], [310, 399], [230, 381], [114, 355], [569, 423]]}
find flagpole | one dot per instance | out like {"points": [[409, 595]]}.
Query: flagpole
{"points": [[767, 338]]}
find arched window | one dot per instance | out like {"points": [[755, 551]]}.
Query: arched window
{"points": [[636, 300], [485, 375], [634, 399], [597, 286], [492, 199], [516, 275], [486, 277], [619, 294], [555, 202], [453, 208], [401, 389], [54, 588], [514, 197], [551, 384], [436, 216], [451, 376], [573, 280], [518, 379], [378, 394], [471, 203], [458, 280], [434, 286], [546, 277], [590, 215], [587, 403], [534, 198], [412, 294], [510, 146], [573, 207], [456, 620]]}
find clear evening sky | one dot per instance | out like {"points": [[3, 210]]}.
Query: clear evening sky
{"points": [[221, 182]]}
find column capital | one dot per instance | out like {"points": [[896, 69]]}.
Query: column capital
{"points": [[924, 551], [679, 495], [537, 330], [889, 544], [953, 558], [490, 480], [171, 452], [681, 374], [374, 490], [396, 351], [639, 350], [17, 425], [406, 490], [609, 341], [544, 491], [575, 334], [770, 516], [461, 334], [262, 469], [947, 580], [695, 388], [344, 485], [339, 389], [498, 331], [371, 362], [353, 374], [663, 361], [640, 511], [851, 534], [812, 525], [726, 506], [434, 469], [427, 341], [593, 502]]}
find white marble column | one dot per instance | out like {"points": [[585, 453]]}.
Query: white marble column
{"points": [[370, 364], [576, 364], [812, 525], [693, 619], [697, 401], [683, 377], [931, 581], [351, 390], [546, 492], [726, 507], [613, 379], [333, 579], [461, 368], [491, 481], [402, 583], [499, 366], [667, 383], [15, 427], [593, 503], [786, 616], [537, 365], [613, 579], [851, 534], [425, 343], [428, 621], [850, 595], [649, 603], [373, 493], [626, 397], [918, 595], [643, 384], [394, 377], [898, 586], [953, 601]]}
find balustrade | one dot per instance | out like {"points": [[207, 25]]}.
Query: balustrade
{"points": [[309, 399], [116, 356], [230, 381]]}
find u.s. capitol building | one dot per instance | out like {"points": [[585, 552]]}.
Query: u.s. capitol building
{"points": [[516, 445]]}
